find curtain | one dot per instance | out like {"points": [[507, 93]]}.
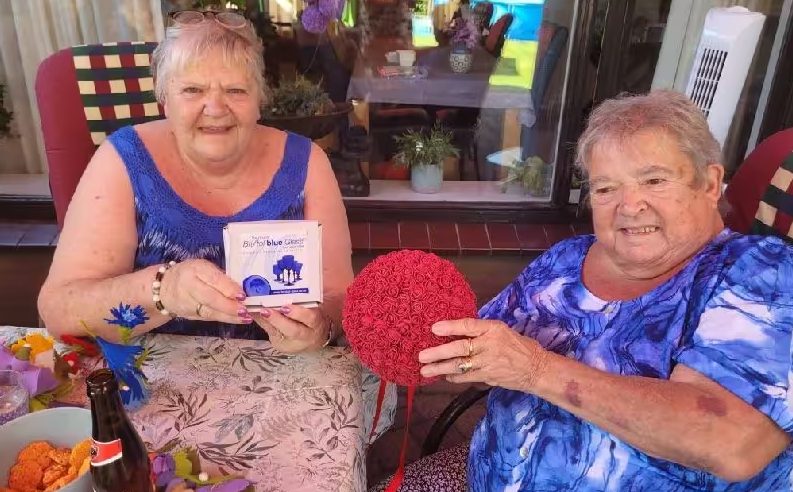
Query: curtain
{"points": [[31, 30]]}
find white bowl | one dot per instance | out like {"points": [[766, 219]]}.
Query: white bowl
{"points": [[62, 427]]}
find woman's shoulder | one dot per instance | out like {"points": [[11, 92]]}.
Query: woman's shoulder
{"points": [[754, 248], [563, 259], [758, 266], [570, 250]]}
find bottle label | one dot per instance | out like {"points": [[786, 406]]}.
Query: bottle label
{"points": [[104, 453]]}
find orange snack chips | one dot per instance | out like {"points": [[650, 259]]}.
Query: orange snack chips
{"points": [[41, 467]]}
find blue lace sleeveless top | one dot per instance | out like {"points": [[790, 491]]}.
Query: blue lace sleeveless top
{"points": [[170, 229]]}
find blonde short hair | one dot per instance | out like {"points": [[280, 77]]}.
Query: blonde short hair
{"points": [[185, 44], [672, 112]]}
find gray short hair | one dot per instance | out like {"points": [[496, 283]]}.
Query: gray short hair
{"points": [[240, 46], [670, 111]]}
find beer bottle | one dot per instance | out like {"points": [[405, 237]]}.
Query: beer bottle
{"points": [[119, 461]]}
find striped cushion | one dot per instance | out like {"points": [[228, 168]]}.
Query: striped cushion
{"points": [[116, 86], [775, 210]]}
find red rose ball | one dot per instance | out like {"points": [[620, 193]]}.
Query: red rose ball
{"points": [[391, 306]]}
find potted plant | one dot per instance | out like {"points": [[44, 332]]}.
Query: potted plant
{"points": [[302, 107], [464, 38], [532, 175], [5, 115], [424, 154]]}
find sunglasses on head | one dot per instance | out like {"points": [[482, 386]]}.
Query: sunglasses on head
{"points": [[231, 20]]}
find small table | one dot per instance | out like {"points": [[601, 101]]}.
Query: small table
{"points": [[441, 87], [284, 422]]}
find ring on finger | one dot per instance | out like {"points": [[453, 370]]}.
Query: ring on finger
{"points": [[470, 347], [198, 310], [465, 365]]}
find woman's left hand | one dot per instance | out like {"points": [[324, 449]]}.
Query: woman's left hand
{"points": [[293, 329], [493, 354]]}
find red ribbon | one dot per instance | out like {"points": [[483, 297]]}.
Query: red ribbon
{"points": [[396, 480]]}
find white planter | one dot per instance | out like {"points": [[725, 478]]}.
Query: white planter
{"points": [[426, 179], [460, 62]]}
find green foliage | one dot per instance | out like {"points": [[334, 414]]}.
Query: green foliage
{"points": [[425, 149], [5, 115], [298, 98], [533, 174]]}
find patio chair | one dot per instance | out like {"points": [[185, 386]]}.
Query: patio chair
{"points": [[760, 193], [494, 42], [84, 94]]}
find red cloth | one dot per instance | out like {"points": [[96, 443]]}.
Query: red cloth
{"points": [[752, 178]]}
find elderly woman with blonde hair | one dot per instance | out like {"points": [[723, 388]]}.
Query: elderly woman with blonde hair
{"points": [[156, 197], [654, 355]]}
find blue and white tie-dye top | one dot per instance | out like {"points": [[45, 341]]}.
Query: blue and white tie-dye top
{"points": [[728, 314], [170, 229]]}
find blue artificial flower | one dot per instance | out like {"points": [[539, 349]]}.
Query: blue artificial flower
{"points": [[120, 359], [127, 316]]}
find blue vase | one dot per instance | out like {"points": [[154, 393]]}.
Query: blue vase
{"points": [[426, 179]]}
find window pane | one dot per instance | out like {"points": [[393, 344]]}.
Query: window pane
{"points": [[499, 94]]}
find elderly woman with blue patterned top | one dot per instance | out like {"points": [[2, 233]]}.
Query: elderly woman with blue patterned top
{"points": [[161, 192], [654, 355]]}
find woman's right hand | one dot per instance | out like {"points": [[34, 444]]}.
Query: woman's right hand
{"points": [[198, 289]]}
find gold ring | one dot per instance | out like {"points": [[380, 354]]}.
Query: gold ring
{"points": [[470, 347], [198, 310], [465, 366]]}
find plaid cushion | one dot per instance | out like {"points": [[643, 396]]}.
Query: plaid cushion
{"points": [[775, 210], [115, 85]]}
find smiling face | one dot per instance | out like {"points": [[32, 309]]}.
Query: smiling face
{"points": [[650, 210], [213, 108]]}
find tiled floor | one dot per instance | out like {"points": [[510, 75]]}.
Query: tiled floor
{"points": [[383, 456]]}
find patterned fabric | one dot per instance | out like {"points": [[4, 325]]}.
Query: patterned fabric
{"points": [[443, 471], [728, 314], [285, 422], [775, 210], [170, 229], [115, 85]]}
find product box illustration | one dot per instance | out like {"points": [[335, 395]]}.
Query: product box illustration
{"points": [[277, 262]]}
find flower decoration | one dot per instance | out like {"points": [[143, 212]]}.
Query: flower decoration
{"points": [[126, 316], [318, 13], [464, 32], [177, 472], [125, 359], [393, 303], [36, 342]]}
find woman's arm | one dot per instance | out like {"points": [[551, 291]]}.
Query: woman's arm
{"points": [[690, 419], [324, 204], [91, 271]]}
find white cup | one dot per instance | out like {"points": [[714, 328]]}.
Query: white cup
{"points": [[406, 57]]}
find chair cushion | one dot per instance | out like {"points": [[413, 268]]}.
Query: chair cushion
{"points": [[116, 86], [760, 193], [85, 93]]}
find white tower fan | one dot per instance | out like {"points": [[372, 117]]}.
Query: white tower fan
{"points": [[725, 52]]}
